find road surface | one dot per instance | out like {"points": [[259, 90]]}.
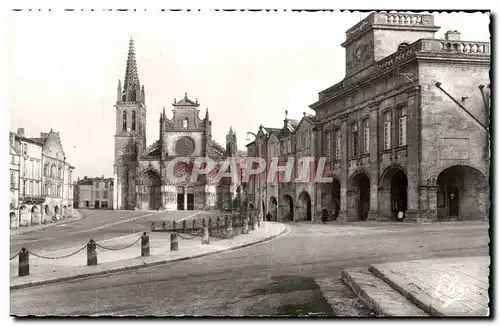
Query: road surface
{"points": [[273, 278]]}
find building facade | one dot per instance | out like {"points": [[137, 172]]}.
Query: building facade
{"points": [[406, 129], [94, 193], [140, 172], [285, 201], [14, 183], [44, 177]]}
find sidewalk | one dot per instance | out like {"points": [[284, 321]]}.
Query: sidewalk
{"points": [[44, 271], [22, 230], [436, 287]]}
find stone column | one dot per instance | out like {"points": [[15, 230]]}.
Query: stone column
{"points": [[374, 161], [344, 168], [413, 158]]}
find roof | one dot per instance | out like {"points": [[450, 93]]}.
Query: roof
{"points": [[153, 149], [41, 141], [186, 102]]}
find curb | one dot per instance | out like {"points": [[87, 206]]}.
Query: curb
{"points": [[67, 220], [166, 261], [407, 294]]}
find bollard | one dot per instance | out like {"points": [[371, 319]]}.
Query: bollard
{"points": [[229, 229], [194, 225], [251, 222], [144, 245], [174, 225], [244, 228], [91, 253], [174, 245], [205, 238], [24, 262], [164, 225], [152, 227], [254, 222], [184, 226]]}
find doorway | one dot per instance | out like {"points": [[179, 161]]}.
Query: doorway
{"points": [[180, 198], [190, 198]]}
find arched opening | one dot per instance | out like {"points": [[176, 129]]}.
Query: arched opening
{"points": [[336, 198], [35, 215], [462, 193], [273, 208], [287, 208], [56, 210], [360, 196], [395, 187], [151, 191], [399, 193], [64, 211], [13, 220], [23, 215], [304, 208]]}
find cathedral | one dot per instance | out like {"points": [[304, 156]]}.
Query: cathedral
{"points": [[140, 172]]}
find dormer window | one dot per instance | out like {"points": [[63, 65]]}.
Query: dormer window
{"points": [[185, 123]]}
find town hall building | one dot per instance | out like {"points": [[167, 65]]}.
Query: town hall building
{"points": [[140, 172]]}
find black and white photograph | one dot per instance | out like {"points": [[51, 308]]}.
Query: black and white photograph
{"points": [[249, 162]]}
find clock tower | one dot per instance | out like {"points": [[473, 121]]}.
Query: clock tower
{"points": [[130, 136]]}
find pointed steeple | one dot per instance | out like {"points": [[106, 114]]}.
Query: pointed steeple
{"points": [[206, 115], [132, 91]]}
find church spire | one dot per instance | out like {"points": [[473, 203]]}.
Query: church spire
{"points": [[132, 91]]}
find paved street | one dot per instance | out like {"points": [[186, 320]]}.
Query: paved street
{"points": [[96, 224], [277, 277]]}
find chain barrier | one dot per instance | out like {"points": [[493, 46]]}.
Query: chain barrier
{"points": [[189, 238], [121, 248], [58, 257], [14, 257]]}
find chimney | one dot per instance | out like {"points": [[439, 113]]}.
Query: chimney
{"points": [[452, 36], [20, 132], [44, 135]]}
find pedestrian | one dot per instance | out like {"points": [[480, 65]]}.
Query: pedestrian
{"points": [[268, 216], [324, 215], [401, 215]]}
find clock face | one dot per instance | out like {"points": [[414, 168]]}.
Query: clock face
{"points": [[184, 146]]}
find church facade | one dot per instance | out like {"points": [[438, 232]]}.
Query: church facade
{"points": [[140, 172]]}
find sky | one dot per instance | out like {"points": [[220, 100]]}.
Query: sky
{"points": [[247, 68]]}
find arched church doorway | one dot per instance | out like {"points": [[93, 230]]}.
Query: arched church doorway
{"points": [[190, 198], [13, 220], [151, 191], [395, 181], [180, 198]]}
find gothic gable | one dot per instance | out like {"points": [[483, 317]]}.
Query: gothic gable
{"points": [[53, 146]]}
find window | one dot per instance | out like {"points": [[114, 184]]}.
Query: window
{"points": [[31, 192], [53, 171], [59, 174], [185, 123], [282, 147], [337, 144], [25, 166], [69, 177], [97, 194], [46, 170], [47, 192], [124, 121], [402, 127], [328, 145], [366, 136], [12, 180], [58, 193], [289, 145], [25, 149], [105, 195], [355, 139], [24, 187], [387, 130], [133, 120]]}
